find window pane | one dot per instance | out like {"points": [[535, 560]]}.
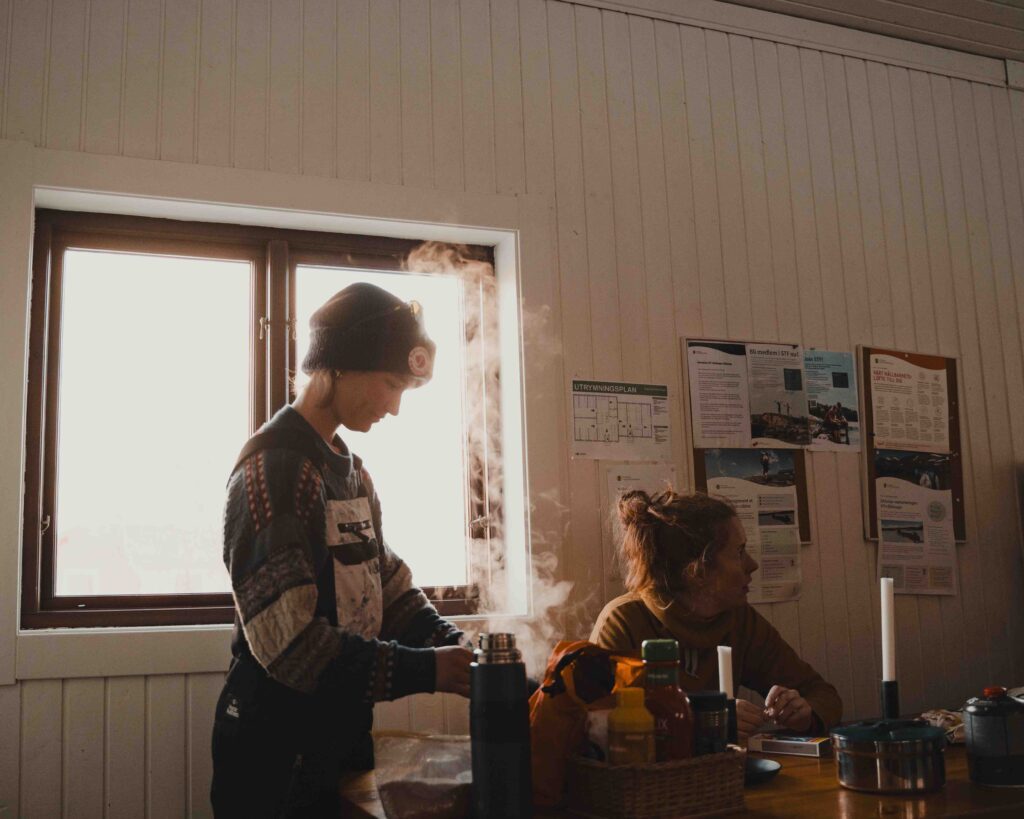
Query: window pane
{"points": [[416, 459], [154, 408]]}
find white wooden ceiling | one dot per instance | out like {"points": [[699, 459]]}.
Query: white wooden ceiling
{"points": [[993, 28]]}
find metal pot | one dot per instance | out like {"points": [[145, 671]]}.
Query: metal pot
{"points": [[994, 728], [890, 756]]}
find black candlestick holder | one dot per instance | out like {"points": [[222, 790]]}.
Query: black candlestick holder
{"points": [[890, 699]]}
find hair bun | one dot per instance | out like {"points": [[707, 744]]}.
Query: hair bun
{"points": [[634, 507]]}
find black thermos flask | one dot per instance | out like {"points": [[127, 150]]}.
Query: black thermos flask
{"points": [[499, 727]]}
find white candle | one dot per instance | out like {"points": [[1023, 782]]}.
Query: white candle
{"points": [[725, 670], [888, 631]]}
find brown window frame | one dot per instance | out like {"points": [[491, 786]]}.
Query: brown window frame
{"points": [[274, 255]]}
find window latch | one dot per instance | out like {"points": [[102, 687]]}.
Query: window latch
{"points": [[290, 324], [44, 525], [264, 327]]}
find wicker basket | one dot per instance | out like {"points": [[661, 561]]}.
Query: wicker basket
{"points": [[702, 786]]}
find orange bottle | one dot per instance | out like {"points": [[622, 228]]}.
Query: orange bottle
{"points": [[673, 717]]}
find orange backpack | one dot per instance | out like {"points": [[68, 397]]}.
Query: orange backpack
{"points": [[580, 677]]}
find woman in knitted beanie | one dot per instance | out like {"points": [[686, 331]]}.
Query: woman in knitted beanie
{"points": [[688, 573], [327, 618]]}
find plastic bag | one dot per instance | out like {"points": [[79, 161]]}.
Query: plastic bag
{"points": [[423, 776]]}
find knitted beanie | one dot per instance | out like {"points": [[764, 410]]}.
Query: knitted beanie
{"points": [[364, 327]]}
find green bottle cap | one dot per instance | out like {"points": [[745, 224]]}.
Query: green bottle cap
{"points": [[660, 651]]}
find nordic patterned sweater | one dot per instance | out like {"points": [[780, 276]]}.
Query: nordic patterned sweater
{"points": [[321, 602]]}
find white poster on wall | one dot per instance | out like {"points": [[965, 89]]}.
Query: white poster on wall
{"points": [[620, 421], [761, 485], [916, 543], [910, 405], [832, 402]]}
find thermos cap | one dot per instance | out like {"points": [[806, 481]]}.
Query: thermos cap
{"points": [[660, 651], [707, 700], [497, 648]]}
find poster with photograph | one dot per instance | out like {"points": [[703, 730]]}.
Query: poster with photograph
{"points": [[916, 544], [909, 402], [762, 485], [911, 405], [746, 394], [832, 403], [620, 421]]}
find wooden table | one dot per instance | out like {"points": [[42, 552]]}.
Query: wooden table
{"points": [[804, 788]]}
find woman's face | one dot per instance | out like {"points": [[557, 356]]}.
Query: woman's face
{"points": [[361, 399], [728, 580]]}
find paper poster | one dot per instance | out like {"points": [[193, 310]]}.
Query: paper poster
{"points": [[832, 403], [910, 404], [622, 478], [761, 484], [718, 394], [745, 395], [620, 421], [916, 543], [778, 401]]}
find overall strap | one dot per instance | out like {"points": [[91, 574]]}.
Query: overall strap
{"points": [[293, 439]]}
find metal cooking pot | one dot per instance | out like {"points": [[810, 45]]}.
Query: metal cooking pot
{"points": [[890, 756], [994, 728]]}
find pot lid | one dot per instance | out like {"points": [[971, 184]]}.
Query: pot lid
{"points": [[889, 730]]}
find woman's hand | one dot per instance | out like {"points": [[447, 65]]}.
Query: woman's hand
{"points": [[748, 718], [451, 672], [787, 708]]}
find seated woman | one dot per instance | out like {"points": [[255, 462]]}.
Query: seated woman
{"points": [[688, 573]]}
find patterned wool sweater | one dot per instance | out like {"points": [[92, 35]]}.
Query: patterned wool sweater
{"points": [[760, 657], [321, 601]]}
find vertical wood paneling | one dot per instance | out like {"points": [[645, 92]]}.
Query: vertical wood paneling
{"points": [[353, 87], [392, 716], [536, 83], [446, 95], [178, 81], [456, 714], [41, 775], [125, 751], [417, 109], [251, 83], [28, 47], [10, 748], [758, 237], [725, 157], [509, 154], [385, 94], [477, 95], [1007, 393], [141, 108], [202, 691], [628, 229], [319, 92], [653, 212], [67, 60], [82, 754], [426, 712], [6, 13], [216, 67], [705, 188], [284, 140], [166, 727], [104, 76]]}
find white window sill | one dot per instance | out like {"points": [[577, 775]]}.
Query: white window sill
{"points": [[118, 652]]}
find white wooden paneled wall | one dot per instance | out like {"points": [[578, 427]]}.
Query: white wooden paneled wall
{"points": [[705, 184]]}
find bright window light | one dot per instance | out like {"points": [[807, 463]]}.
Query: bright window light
{"points": [[417, 459], [154, 408]]}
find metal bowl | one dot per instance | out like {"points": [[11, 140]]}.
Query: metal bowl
{"points": [[890, 756]]}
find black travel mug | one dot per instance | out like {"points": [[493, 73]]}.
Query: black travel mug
{"points": [[499, 727]]}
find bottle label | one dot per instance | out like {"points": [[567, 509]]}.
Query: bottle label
{"points": [[630, 748]]}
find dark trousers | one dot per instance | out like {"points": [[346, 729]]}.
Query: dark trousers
{"points": [[263, 766]]}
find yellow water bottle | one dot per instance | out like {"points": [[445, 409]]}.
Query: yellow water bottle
{"points": [[630, 730]]}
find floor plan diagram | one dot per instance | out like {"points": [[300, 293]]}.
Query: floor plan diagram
{"points": [[611, 419]]}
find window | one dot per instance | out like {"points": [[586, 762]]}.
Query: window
{"points": [[157, 347]]}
